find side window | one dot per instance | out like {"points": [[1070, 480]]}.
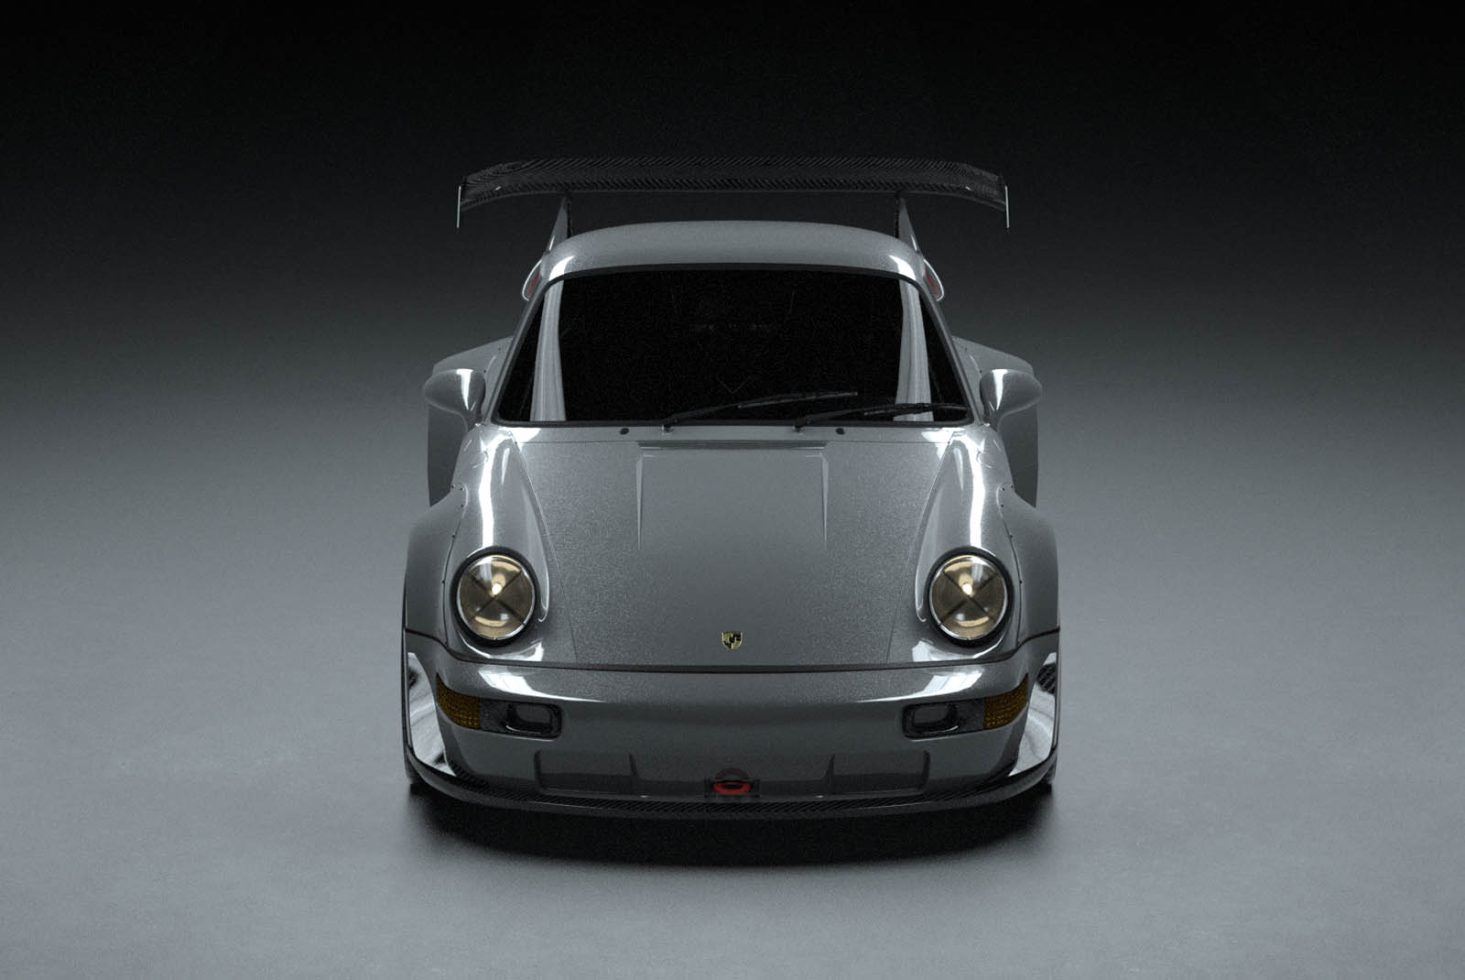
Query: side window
{"points": [[518, 394]]}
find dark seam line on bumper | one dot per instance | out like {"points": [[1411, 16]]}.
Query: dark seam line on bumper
{"points": [[736, 669]]}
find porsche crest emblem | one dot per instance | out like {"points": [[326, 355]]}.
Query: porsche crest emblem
{"points": [[732, 639]]}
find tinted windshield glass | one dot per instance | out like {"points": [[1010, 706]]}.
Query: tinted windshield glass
{"points": [[641, 346]]}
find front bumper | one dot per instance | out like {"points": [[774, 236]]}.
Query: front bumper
{"points": [[651, 744]]}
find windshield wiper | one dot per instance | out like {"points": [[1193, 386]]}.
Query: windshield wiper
{"points": [[784, 399], [897, 408]]}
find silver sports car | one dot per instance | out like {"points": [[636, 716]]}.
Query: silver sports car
{"points": [[732, 525]]}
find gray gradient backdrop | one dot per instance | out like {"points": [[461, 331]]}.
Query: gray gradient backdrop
{"points": [[228, 265]]}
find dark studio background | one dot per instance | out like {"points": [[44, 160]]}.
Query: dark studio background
{"points": [[229, 264]]}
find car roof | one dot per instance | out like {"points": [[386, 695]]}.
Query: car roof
{"points": [[731, 242]]}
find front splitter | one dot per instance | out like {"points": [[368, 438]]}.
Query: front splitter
{"points": [[731, 808]]}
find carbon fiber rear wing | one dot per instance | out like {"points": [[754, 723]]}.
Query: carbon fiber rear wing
{"points": [[857, 175]]}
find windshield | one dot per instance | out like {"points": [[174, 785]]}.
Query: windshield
{"points": [[693, 346]]}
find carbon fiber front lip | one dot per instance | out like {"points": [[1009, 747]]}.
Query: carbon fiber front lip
{"points": [[475, 791]]}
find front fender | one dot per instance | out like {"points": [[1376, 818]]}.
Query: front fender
{"points": [[1035, 551], [428, 549]]}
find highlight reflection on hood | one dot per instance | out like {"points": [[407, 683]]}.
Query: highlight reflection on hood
{"points": [[815, 549]]}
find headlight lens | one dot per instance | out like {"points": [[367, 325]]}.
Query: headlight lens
{"points": [[969, 597], [495, 597]]}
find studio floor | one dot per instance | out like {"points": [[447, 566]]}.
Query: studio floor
{"points": [[1261, 758]]}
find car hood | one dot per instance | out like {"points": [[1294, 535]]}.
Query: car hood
{"points": [[732, 552]]}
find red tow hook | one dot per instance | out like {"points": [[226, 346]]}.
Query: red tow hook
{"points": [[732, 782]]}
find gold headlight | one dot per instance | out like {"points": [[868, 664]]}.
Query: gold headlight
{"points": [[495, 597], [969, 597]]}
